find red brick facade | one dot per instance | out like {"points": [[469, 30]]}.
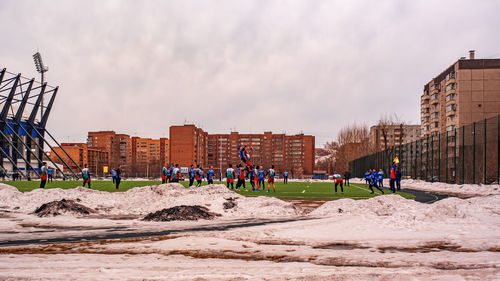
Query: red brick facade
{"points": [[191, 145]]}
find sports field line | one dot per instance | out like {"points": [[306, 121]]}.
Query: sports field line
{"points": [[361, 188]]}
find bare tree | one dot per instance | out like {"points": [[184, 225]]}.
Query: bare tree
{"points": [[386, 128], [352, 142]]}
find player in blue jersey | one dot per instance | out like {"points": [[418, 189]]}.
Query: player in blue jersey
{"points": [[285, 177], [210, 175], [367, 176], [261, 179], [381, 178], [251, 176], [191, 175], [373, 182], [170, 172], [113, 175]]}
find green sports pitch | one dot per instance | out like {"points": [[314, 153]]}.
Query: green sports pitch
{"points": [[290, 191]]}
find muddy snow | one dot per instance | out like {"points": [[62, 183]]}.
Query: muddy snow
{"points": [[246, 238]]}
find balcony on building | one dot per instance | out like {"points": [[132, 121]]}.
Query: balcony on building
{"points": [[450, 78], [435, 89], [434, 100]]}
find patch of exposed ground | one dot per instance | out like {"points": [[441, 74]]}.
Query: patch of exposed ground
{"points": [[230, 203], [246, 254], [56, 208], [307, 205], [182, 213]]}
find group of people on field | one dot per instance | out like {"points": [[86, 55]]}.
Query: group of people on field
{"points": [[45, 173], [173, 174], [255, 174], [376, 179]]}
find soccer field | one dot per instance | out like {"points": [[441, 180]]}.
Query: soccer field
{"points": [[290, 191]]}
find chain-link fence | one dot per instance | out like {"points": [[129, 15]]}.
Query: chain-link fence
{"points": [[469, 154]]}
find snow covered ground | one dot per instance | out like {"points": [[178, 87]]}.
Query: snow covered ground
{"points": [[460, 190], [261, 238]]}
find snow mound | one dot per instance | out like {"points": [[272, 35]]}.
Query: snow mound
{"points": [[56, 208], [400, 208], [140, 201], [454, 189], [183, 213]]}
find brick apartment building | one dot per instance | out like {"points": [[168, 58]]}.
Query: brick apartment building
{"points": [[118, 146], [138, 156], [467, 91], [394, 135], [149, 155], [95, 158], [188, 145], [191, 145]]}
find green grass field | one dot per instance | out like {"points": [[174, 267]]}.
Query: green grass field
{"points": [[290, 191]]}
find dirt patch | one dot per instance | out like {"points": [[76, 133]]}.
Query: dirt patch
{"points": [[341, 246], [430, 247], [56, 208], [307, 205], [230, 203], [182, 213]]}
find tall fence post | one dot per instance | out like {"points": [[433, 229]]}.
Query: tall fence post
{"points": [[427, 159], [463, 155], [455, 158], [484, 152], [446, 159], [432, 158], [421, 160], [439, 157], [498, 150], [474, 153]]}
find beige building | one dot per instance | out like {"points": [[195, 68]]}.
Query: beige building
{"points": [[467, 91], [383, 137]]}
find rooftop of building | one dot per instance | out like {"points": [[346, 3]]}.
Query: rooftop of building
{"points": [[463, 63]]}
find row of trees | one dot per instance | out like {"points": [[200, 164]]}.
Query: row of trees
{"points": [[353, 141]]}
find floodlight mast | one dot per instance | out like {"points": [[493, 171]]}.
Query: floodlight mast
{"points": [[41, 68]]}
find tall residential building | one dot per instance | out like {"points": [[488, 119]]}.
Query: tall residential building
{"points": [[393, 135], [188, 145], [124, 143], [138, 156], [466, 92], [191, 145], [148, 155], [81, 153], [107, 141]]}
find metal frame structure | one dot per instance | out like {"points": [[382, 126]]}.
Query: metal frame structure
{"points": [[23, 137]]}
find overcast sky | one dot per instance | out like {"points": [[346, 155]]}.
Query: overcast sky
{"points": [[138, 67]]}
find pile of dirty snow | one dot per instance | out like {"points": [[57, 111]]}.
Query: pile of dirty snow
{"points": [[140, 201], [56, 208], [401, 209], [465, 190], [182, 213]]}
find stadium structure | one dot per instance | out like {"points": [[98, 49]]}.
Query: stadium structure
{"points": [[23, 136]]}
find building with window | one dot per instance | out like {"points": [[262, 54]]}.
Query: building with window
{"points": [[138, 156], [384, 137], [191, 145], [468, 91], [81, 153]]}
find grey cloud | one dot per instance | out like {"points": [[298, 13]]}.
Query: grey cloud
{"points": [[313, 66]]}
